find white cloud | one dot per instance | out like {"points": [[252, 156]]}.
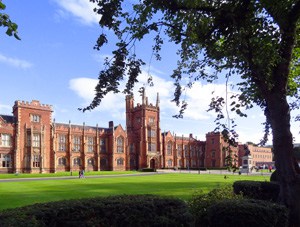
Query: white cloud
{"points": [[15, 62], [81, 9], [5, 109]]}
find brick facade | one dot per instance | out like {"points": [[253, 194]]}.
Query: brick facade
{"points": [[31, 142]]}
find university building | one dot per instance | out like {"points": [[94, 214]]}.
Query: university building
{"points": [[32, 142]]}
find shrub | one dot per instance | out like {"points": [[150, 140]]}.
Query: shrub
{"points": [[247, 213], [257, 190], [200, 203], [148, 170], [125, 210]]}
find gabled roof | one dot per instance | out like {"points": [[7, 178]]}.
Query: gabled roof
{"points": [[8, 118]]}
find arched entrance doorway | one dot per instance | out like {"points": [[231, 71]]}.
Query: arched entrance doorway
{"points": [[152, 163]]}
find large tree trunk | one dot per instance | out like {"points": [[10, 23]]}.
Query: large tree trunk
{"points": [[288, 172]]}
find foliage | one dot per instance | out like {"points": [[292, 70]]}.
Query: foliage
{"points": [[200, 203], [12, 28], [230, 213], [148, 170], [124, 210], [257, 189]]}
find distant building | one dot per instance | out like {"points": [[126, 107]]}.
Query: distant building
{"points": [[31, 142]]}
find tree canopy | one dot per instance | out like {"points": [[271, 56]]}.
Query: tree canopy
{"points": [[257, 41], [11, 27]]}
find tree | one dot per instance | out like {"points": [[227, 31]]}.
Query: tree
{"points": [[257, 40], [12, 28]]}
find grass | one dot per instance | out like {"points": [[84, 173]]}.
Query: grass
{"points": [[21, 193], [62, 174]]}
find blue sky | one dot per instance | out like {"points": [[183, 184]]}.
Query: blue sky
{"points": [[55, 63]]}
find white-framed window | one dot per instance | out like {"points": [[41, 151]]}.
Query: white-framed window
{"points": [[5, 140], [76, 161], [170, 163], [91, 144], [102, 146], [151, 133], [35, 118], [120, 144], [62, 139], [120, 161], [76, 143], [36, 161], [36, 140], [169, 148], [62, 161], [5, 160], [91, 161]]}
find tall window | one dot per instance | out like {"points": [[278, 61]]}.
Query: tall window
{"points": [[131, 148], [120, 161], [5, 140], [62, 161], [91, 144], [179, 150], [169, 148], [76, 161], [35, 118], [151, 147], [5, 160], [102, 146], [213, 154], [62, 143], [120, 144], [170, 163], [36, 161], [151, 120], [36, 140], [76, 143], [151, 133]]}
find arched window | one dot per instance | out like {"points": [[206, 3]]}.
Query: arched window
{"points": [[91, 162], [120, 161], [76, 161], [120, 144], [169, 148], [62, 161]]}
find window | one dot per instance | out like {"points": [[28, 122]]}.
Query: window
{"points": [[35, 118], [151, 147], [120, 161], [120, 145], [151, 133], [103, 162], [5, 140], [213, 154], [131, 148], [102, 146], [212, 141], [179, 150], [76, 143], [91, 162], [5, 160], [76, 161], [62, 143], [151, 120], [132, 162], [91, 144], [62, 161], [36, 161], [170, 163], [36, 140], [169, 148]]}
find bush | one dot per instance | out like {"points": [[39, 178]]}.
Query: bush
{"points": [[200, 203], [247, 213], [125, 210], [257, 190], [148, 170]]}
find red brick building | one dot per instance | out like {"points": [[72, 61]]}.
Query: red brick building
{"points": [[30, 141]]}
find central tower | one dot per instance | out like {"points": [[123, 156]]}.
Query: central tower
{"points": [[143, 133]]}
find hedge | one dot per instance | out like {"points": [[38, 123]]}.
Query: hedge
{"points": [[248, 213], [257, 190], [125, 210]]}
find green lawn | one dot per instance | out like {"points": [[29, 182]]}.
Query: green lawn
{"points": [[16, 194]]}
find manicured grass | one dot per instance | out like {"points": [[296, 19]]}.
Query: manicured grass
{"points": [[17, 194], [62, 174]]}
